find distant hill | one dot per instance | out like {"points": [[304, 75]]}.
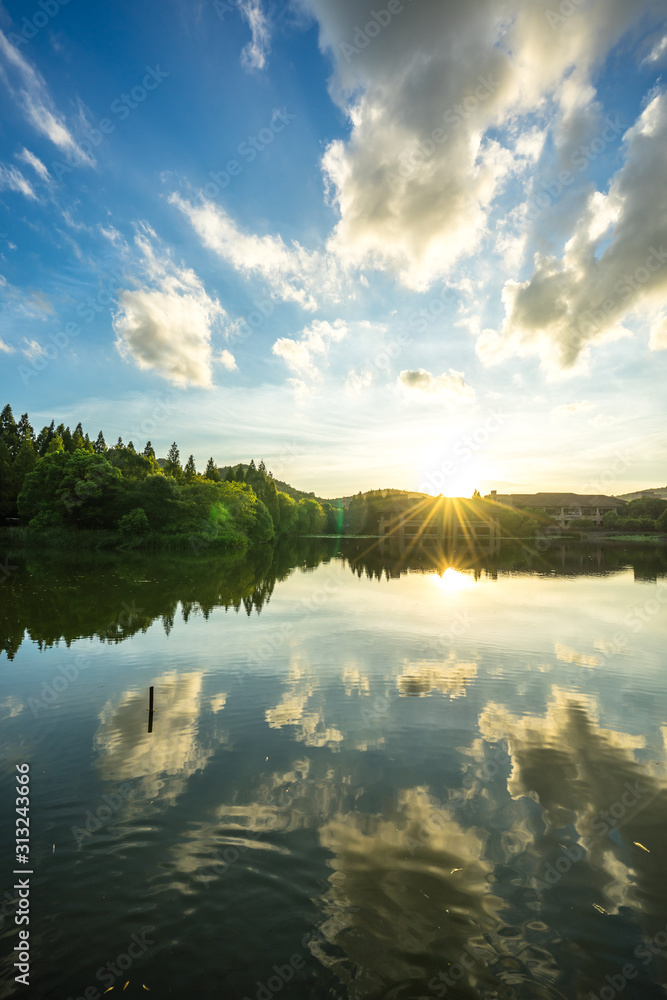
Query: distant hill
{"points": [[657, 491]]}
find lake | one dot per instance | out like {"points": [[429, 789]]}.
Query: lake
{"points": [[370, 772]]}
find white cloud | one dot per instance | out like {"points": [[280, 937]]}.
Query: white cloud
{"points": [[293, 273], [33, 349], [6, 348], [302, 355], [11, 179], [569, 409], [34, 162], [426, 93], [421, 382], [167, 324], [357, 381], [613, 265], [30, 91], [227, 360], [255, 52]]}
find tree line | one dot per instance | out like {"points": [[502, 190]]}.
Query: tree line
{"points": [[62, 479]]}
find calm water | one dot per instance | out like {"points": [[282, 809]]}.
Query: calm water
{"points": [[370, 773]]}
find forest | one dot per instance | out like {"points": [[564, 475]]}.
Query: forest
{"points": [[57, 480]]}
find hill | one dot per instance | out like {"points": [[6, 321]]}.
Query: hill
{"points": [[657, 491]]}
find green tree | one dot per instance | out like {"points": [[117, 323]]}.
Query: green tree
{"points": [[173, 465], [661, 522], [212, 471], [149, 451], [44, 439], [190, 472], [24, 429], [100, 445]]}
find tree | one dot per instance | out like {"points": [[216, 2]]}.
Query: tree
{"points": [[212, 471], [44, 439], [149, 451], [8, 430], [252, 465], [130, 447], [77, 437], [24, 429], [190, 471], [661, 522], [262, 467], [173, 465], [100, 445]]}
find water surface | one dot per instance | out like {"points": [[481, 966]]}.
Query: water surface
{"points": [[371, 772]]}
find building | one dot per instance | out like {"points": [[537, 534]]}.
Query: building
{"points": [[564, 508]]}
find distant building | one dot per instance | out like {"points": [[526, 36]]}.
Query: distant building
{"points": [[565, 508]]}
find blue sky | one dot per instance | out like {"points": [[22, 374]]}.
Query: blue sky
{"points": [[416, 244]]}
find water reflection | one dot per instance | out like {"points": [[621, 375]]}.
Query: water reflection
{"points": [[449, 785], [112, 596]]}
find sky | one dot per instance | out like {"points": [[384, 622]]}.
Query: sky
{"points": [[417, 244]]}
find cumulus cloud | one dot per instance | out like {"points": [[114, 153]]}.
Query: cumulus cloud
{"points": [[253, 55], [12, 179], [29, 90], [293, 273], [6, 348], [613, 265], [426, 90], [303, 355], [227, 360], [167, 324], [421, 382]]}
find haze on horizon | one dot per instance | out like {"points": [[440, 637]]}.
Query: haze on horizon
{"points": [[376, 245]]}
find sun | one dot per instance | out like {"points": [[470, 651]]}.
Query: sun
{"points": [[452, 580], [451, 477]]}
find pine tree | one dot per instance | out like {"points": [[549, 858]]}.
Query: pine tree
{"points": [[130, 447], [173, 465], [119, 443], [190, 470], [77, 437], [212, 471], [8, 430], [252, 467], [100, 445], [24, 429], [229, 475], [149, 451], [262, 467], [44, 438]]}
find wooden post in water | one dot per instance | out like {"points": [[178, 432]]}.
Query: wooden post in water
{"points": [[150, 709]]}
